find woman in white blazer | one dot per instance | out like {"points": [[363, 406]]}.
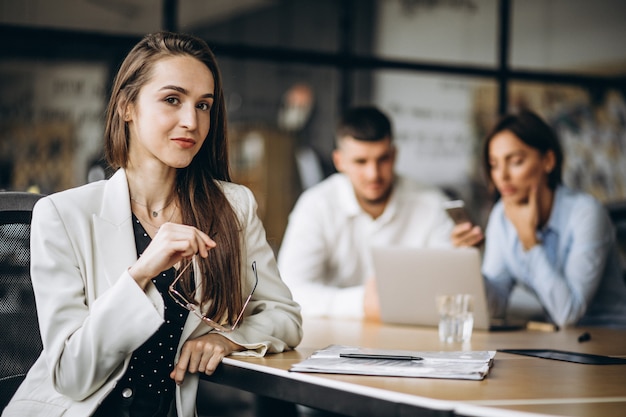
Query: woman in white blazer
{"points": [[126, 328]]}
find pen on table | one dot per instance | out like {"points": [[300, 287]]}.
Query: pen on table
{"points": [[584, 337], [380, 356]]}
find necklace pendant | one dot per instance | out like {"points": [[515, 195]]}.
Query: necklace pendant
{"points": [[155, 213]]}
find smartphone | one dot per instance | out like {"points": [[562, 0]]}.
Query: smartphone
{"points": [[457, 211]]}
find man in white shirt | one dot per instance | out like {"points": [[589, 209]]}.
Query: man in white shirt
{"points": [[325, 254]]}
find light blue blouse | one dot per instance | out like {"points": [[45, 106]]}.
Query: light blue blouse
{"points": [[575, 272]]}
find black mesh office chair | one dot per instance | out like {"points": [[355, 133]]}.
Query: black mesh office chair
{"points": [[20, 342]]}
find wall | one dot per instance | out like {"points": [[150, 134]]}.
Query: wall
{"points": [[52, 121]]}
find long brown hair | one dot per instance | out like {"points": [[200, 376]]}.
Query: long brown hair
{"points": [[202, 201]]}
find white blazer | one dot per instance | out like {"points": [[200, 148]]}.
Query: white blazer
{"points": [[93, 315]]}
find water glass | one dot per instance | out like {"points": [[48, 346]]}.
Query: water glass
{"points": [[455, 317]]}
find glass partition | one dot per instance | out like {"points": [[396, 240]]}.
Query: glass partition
{"points": [[569, 36], [452, 32]]}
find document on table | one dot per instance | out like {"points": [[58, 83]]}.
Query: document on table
{"points": [[472, 365]]}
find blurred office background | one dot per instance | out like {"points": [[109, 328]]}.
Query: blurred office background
{"points": [[442, 69]]}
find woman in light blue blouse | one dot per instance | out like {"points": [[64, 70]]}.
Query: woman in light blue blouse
{"points": [[556, 242]]}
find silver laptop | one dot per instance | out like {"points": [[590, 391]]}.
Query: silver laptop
{"points": [[410, 279]]}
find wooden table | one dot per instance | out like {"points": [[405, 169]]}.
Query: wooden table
{"points": [[516, 386]]}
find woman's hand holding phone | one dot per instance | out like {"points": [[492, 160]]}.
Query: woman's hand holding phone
{"points": [[464, 233]]}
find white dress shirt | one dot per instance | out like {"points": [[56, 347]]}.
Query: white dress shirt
{"points": [[325, 255]]}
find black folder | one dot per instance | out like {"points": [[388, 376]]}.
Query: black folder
{"points": [[561, 355]]}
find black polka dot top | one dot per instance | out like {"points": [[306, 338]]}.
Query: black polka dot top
{"points": [[152, 362]]}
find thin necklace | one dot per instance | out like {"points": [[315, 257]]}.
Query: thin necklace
{"points": [[155, 213], [157, 227]]}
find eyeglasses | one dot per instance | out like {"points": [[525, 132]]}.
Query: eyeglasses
{"points": [[195, 308]]}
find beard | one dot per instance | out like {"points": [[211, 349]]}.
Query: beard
{"points": [[376, 201]]}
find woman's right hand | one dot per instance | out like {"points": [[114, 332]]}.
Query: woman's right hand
{"points": [[466, 234], [172, 243]]}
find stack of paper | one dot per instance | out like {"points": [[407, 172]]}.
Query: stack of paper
{"points": [[473, 365]]}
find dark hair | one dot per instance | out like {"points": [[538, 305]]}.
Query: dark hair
{"points": [[366, 123], [203, 204], [534, 132]]}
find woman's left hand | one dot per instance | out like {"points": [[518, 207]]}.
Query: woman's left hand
{"points": [[202, 354]]}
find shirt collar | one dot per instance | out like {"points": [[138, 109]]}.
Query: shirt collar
{"points": [[346, 198], [560, 210]]}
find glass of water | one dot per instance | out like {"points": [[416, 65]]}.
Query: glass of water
{"points": [[455, 317]]}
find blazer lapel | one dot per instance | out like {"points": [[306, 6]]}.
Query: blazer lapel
{"points": [[115, 242], [113, 229]]}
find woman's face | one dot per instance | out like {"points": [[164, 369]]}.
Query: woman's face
{"points": [[171, 117], [515, 168]]}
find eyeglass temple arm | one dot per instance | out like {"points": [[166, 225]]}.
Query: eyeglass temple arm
{"points": [[245, 304]]}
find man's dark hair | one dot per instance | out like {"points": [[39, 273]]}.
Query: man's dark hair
{"points": [[366, 123]]}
